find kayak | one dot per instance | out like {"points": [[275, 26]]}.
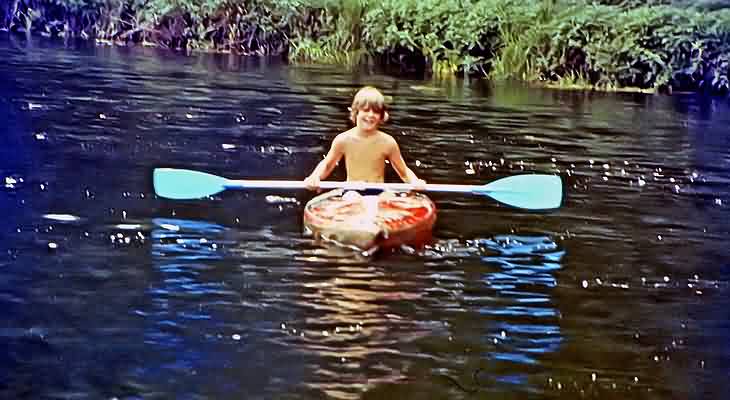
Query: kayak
{"points": [[387, 220]]}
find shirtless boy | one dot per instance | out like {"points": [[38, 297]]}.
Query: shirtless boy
{"points": [[364, 147]]}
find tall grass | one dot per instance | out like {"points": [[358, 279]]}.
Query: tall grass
{"points": [[339, 40], [599, 43]]}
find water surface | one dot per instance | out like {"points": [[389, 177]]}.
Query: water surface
{"points": [[111, 292]]}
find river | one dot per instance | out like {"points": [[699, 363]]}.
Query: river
{"points": [[110, 292]]}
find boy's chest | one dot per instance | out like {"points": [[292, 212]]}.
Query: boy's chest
{"points": [[366, 153]]}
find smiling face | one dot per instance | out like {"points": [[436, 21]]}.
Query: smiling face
{"points": [[368, 119], [368, 109]]}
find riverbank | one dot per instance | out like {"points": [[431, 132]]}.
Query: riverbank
{"points": [[648, 46]]}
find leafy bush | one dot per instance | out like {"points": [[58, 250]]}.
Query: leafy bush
{"points": [[451, 35], [604, 43], [607, 46], [338, 39]]}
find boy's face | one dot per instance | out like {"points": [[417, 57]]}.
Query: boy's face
{"points": [[368, 119]]}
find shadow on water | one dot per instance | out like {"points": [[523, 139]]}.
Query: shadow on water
{"points": [[111, 292]]}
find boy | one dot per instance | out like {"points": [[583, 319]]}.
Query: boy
{"points": [[364, 147]]}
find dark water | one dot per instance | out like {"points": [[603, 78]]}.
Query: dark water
{"points": [[108, 292]]}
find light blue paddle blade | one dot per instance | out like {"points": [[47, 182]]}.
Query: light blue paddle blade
{"points": [[186, 184], [533, 192]]}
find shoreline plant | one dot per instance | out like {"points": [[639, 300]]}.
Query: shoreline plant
{"points": [[650, 45]]}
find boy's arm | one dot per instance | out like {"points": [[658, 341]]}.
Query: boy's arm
{"points": [[396, 160], [325, 167]]}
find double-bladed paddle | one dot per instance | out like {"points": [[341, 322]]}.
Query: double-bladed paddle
{"points": [[528, 191]]}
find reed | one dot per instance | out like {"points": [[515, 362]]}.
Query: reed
{"points": [[603, 44]]}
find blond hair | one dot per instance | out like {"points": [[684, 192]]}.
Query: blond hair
{"points": [[368, 98]]}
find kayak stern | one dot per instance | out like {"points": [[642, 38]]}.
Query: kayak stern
{"points": [[387, 221]]}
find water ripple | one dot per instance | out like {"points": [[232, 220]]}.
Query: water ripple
{"points": [[620, 293]]}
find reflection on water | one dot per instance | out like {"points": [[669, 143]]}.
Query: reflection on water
{"points": [[526, 274], [367, 324], [111, 292]]}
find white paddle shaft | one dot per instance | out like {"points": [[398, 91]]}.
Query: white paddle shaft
{"points": [[283, 184]]}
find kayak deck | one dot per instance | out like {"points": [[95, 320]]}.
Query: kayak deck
{"points": [[387, 220]]}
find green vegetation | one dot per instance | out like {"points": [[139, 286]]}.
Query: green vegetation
{"points": [[607, 44]]}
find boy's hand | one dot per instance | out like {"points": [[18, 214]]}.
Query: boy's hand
{"points": [[419, 185], [356, 185], [312, 183]]}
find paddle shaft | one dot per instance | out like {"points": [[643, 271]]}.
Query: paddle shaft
{"points": [[529, 191], [283, 184]]}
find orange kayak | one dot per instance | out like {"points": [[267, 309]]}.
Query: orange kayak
{"points": [[387, 220]]}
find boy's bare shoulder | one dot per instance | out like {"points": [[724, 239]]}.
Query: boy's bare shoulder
{"points": [[345, 135], [387, 138]]}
